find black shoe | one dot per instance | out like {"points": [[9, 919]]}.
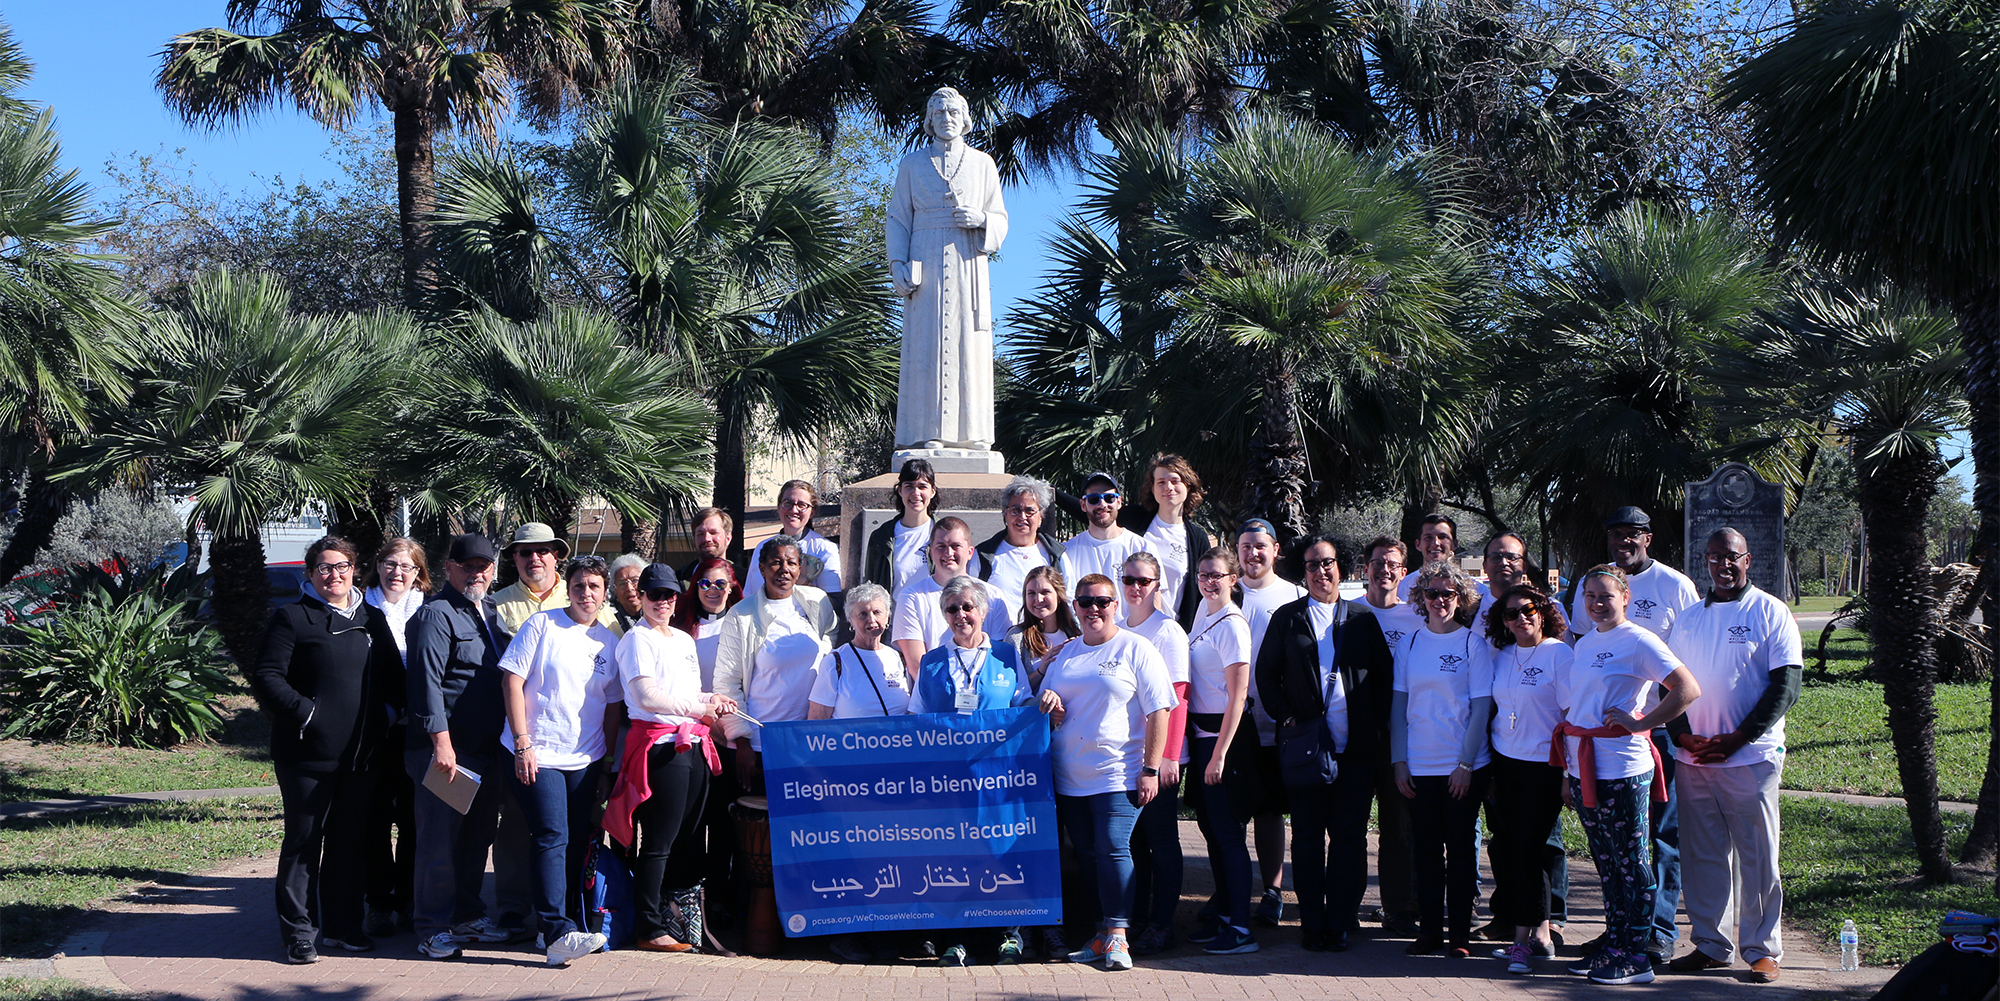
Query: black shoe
{"points": [[301, 953], [1271, 909], [1424, 945], [1402, 928], [1492, 932], [380, 924], [351, 943], [1336, 941], [1314, 940]]}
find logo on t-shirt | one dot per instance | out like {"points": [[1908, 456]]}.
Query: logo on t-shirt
{"points": [[1394, 636], [1449, 662], [1531, 675], [1111, 668], [1739, 634], [1604, 657], [599, 664], [1644, 607]]}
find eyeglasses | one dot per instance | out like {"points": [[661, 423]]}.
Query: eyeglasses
{"points": [[1322, 566], [398, 568], [1725, 559], [712, 585], [1131, 581], [1506, 557], [1101, 498], [1384, 565], [960, 609], [661, 594], [1210, 577], [1094, 601], [1017, 511], [1436, 595], [1518, 612], [334, 569]]}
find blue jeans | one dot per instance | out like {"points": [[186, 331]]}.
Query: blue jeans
{"points": [[451, 848], [1223, 822], [1100, 828], [1664, 824], [550, 805]]}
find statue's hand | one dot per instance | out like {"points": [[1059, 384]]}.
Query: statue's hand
{"points": [[969, 218], [899, 276]]}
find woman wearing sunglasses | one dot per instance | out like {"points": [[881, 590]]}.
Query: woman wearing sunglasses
{"points": [[1614, 766], [1156, 841], [1529, 663], [711, 591], [1438, 744], [1108, 696]]}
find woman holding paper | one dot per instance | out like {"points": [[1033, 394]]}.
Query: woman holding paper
{"points": [[668, 759], [560, 683]]}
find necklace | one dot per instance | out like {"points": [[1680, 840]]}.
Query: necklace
{"points": [[1513, 717], [942, 161]]}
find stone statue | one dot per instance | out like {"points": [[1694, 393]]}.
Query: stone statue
{"points": [[945, 217]]}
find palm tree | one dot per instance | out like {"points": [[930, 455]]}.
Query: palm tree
{"points": [[541, 415], [433, 65], [1878, 374], [63, 324], [721, 247], [1872, 128], [256, 410], [1601, 378]]}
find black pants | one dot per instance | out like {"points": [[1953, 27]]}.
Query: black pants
{"points": [[388, 845], [670, 823], [1527, 800], [1447, 854], [718, 841], [1158, 867], [1330, 847], [320, 880]]}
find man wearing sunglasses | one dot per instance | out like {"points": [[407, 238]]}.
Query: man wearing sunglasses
{"points": [[1106, 545]]}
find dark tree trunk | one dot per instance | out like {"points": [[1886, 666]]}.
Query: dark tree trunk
{"points": [[1277, 473], [1893, 499], [42, 505], [241, 593], [1979, 336], [363, 524], [730, 476], [639, 532], [416, 200]]}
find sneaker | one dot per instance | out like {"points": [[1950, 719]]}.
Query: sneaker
{"points": [[442, 945], [1011, 948], [1271, 909], [301, 953], [481, 930], [352, 943], [1091, 952], [953, 955], [1520, 958], [380, 924], [1231, 941], [1535, 951], [1582, 965], [1206, 926], [574, 945], [1053, 946], [1633, 970], [1152, 939], [1117, 955]]}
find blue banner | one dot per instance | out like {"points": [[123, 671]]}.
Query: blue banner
{"points": [[933, 821]]}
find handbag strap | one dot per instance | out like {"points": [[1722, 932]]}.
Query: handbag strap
{"points": [[870, 675]]}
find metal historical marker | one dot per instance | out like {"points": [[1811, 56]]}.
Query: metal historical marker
{"points": [[1736, 497]]}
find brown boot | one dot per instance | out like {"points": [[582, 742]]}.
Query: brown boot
{"points": [[1763, 971]]}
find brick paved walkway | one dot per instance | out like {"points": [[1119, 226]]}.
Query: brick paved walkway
{"points": [[214, 939]]}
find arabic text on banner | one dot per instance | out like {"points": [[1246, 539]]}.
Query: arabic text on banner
{"points": [[930, 821]]}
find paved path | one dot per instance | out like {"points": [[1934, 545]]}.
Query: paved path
{"points": [[213, 938]]}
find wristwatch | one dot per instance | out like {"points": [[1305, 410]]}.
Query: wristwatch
{"points": [[1150, 772]]}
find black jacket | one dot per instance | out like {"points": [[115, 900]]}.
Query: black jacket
{"points": [[1290, 683], [328, 683], [875, 567], [454, 675], [1138, 518]]}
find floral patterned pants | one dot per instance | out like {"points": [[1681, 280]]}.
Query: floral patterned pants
{"points": [[1622, 849]]}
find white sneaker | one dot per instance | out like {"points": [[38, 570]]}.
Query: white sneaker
{"points": [[442, 945], [574, 945], [480, 930]]}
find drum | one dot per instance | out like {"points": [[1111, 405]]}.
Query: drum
{"points": [[761, 934]]}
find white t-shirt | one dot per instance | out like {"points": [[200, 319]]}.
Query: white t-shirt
{"points": [[668, 659], [1731, 648], [707, 639], [1409, 584], [787, 665], [1011, 565], [906, 554], [1615, 668], [1107, 691], [1398, 623], [1165, 633], [570, 673], [862, 683], [919, 614], [1333, 687], [1658, 596], [1168, 544], [1526, 709], [1443, 673], [1087, 554], [812, 544], [1216, 641], [1258, 604]]}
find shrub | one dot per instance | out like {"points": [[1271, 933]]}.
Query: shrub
{"points": [[1812, 587], [120, 662]]}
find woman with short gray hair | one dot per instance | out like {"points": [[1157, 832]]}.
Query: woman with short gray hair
{"points": [[863, 677]]}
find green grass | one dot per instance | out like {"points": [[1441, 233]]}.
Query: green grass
{"points": [[1840, 861], [52, 989], [52, 869], [240, 758], [1810, 605], [1837, 736]]}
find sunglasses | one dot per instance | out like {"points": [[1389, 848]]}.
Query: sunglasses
{"points": [[1101, 498], [712, 585], [1518, 612], [1437, 595], [1131, 581], [661, 594], [959, 608], [1094, 601]]}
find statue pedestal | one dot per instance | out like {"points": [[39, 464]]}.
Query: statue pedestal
{"points": [[867, 504], [951, 460]]}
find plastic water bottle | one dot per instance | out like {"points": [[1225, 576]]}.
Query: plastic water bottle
{"points": [[1850, 946]]}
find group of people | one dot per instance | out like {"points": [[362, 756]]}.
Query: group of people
{"points": [[1168, 661]]}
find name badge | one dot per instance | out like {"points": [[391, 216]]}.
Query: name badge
{"points": [[967, 700]]}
